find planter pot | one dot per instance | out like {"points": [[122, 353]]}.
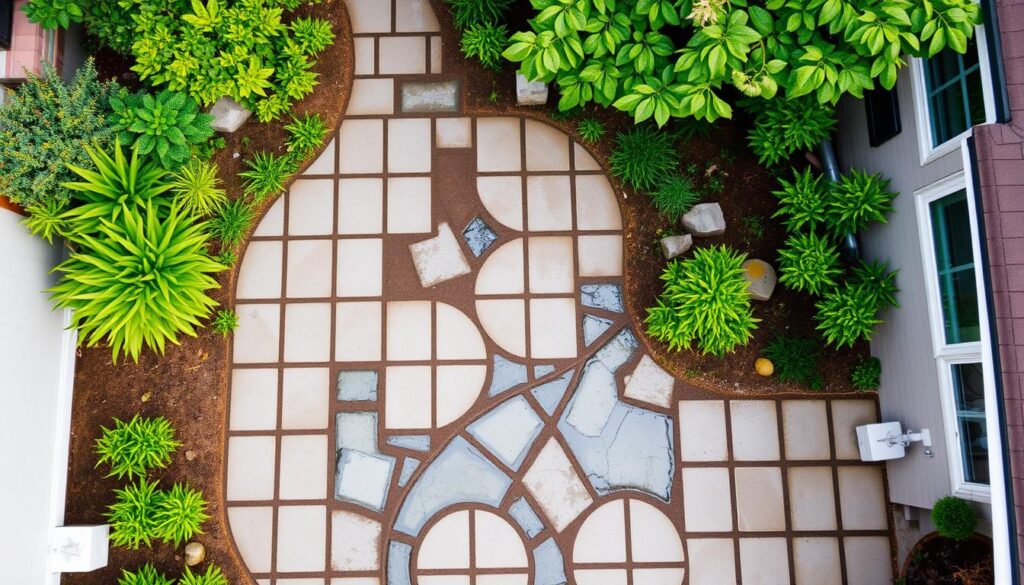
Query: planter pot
{"points": [[933, 549]]}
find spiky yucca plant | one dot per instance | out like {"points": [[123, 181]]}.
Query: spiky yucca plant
{"points": [[134, 447], [146, 575], [232, 222], [802, 202], [809, 263], [180, 514], [132, 516], [877, 282], [306, 134], [591, 130], [266, 175], [485, 42], [858, 200], [225, 321], [196, 188], [212, 576], [46, 220], [785, 126], [847, 314]]}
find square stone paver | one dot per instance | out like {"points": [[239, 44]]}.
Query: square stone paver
{"points": [[303, 473], [812, 504], [759, 506], [764, 561], [454, 133], [553, 328], [409, 334], [583, 161], [324, 164], [309, 269], [360, 206], [369, 16], [456, 335], [505, 322], [358, 331], [415, 16], [439, 259], [600, 255], [252, 529], [556, 486], [816, 561], [259, 276], [436, 55], [651, 384], [550, 267], [457, 389], [596, 205], [372, 97], [604, 541], [402, 55], [862, 498], [755, 431], [365, 55], [847, 415], [301, 539], [305, 398], [355, 542], [712, 561], [868, 560], [409, 205], [409, 141], [272, 223], [805, 430], [707, 499], [407, 397], [311, 207], [589, 577], [360, 267], [503, 199], [702, 434], [307, 332], [549, 203], [354, 581], [256, 338], [251, 468], [363, 479], [253, 399], [362, 147], [547, 148], [502, 273], [497, 145]]}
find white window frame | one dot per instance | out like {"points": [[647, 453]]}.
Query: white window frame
{"points": [[922, 114]]}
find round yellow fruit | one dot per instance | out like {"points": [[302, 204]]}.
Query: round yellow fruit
{"points": [[764, 366]]}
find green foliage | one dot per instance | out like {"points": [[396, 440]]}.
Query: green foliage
{"points": [[754, 228], [877, 283], [466, 13], [179, 514], [857, 200], [51, 14], [196, 189], [232, 222], [46, 220], [306, 135], [705, 299], [132, 516], [591, 130], [167, 125], [134, 447], [46, 123], [484, 41], [146, 575], [227, 258], [954, 518], [783, 127], [643, 157], [212, 576], [266, 175], [803, 202], [312, 35], [225, 322], [796, 360], [809, 263], [675, 196], [846, 314], [867, 374]]}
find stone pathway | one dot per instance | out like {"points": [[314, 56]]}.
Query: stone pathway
{"points": [[435, 383]]}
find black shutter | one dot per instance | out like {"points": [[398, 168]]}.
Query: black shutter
{"points": [[883, 109], [6, 23]]}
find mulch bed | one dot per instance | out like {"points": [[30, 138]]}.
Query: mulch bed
{"points": [[941, 561]]}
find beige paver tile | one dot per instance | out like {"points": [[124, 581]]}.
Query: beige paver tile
{"points": [[805, 430], [369, 16], [372, 97], [816, 561], [360, 267], [272, 223], [600, 576], [653, 537], [600, 255], [355, 581], [402, 55], [457, 390], [502, 548], [301, 581], [440, 258], [602, 536], [256, 338], [498, 148], [362, 147], [764, 561], [259, 276], [446, 544], [550, 267], [358, 331], [409, 205], [407, 397], [759, 504], [360, 206], [868, 560], [847, 415], [649, 383], [583, 161], [409, 141], [253, 399], [755, 431], [553, 328], [301, 539], [303, 471], [547, 148], [311, 207], [503, 579], [549, 203], [436, 55], [502, 272], [812, 504], [250, 468], [596, 206], [712, 561], [309, 269], [453, 133], [504, 321], [305, 398], [324, 164], [366, 55], [862, 498], [252, 529], [658, 576], [409, 330], [702, 435], [503, 199], [307, 332], [443, 580], [707, 499], [555, 485], [415, 16], [456, 335], [355, 542]]}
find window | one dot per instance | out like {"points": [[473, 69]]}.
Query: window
{"points": [[969, 395], [954, 260], [956, 100], [883, 111]]}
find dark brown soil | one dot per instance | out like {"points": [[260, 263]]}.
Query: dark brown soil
{"points": [[940, 561]]}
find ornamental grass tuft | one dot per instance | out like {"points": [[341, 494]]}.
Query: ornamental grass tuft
{"points": [[643, 157], [132, 448]]}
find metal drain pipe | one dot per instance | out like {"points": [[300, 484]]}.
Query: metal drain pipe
{"points": [[849, 247]]}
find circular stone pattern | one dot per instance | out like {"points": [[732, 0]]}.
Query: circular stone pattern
{"points": [[472, 547]]}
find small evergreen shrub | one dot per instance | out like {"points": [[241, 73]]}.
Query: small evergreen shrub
{"points": [[225, 322], [675, 196], [954, 518], [796, 360], [132, 448], [306, 135], [312, 35], [484, 41], [809, 263], [146, 575], [212, 576], [180, 513], [196, 188], [643, 157], [784, 126], [591, 130], [166, 125], [232, 222], [847, 314], [867, 375], [856, 201], [876, 281], [705, 300], [266, 175], [469, 12], [133, 515], [802, 202]]}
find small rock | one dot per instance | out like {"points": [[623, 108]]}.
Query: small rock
{"points": [[673, 246], [530, 93], [764, 366], [195, 553], [228, 115], [761, 279], [705, 220], [190, 455]]}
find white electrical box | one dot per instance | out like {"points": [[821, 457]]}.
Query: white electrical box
{"points": [[874, 444], [78, 549]]}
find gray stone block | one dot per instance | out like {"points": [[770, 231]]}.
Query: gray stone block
{"points": [[530, 93], [228, 115], [673, 246], [705, 220]]}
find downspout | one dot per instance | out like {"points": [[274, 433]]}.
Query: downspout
{"points": [[849, 247]]}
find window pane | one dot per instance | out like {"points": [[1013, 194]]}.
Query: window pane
{"points": [[969, 395], [948, 119], [883, 113], [956, 100], [954, 261]]}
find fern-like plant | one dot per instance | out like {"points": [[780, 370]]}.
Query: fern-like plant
{"points": [[876, 281], [643, 157], [232, 223], [675, 196], [484, 42], [796, 360], [166, 125], [196, 188], [846, 315], [591, 130], [146, 575], [180, 514], [809, 263], [802, 202], [785, 126], [225, 322], [867, 375], [312, 35], [132, 516], [469, 12], [857, 200], [266, 175], [305, 135], [212, 576], [705, 300], [132, 448]]}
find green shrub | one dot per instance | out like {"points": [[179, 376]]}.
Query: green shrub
{"points": [[146, 575], [675, 196], [784, 127], [225, 322], [134, 447], [846, 314], [212, 576], [232, 223], [227, 258], [45, 124], [312, 35], [46, 220], [196, 188], [466, 13], [306, 135], [166, 125], [876, 281], [954, 518], [796, 360], [113, 26], [51, 14], [643, 157], [705, 299], [856, 201], [484, 41], [132, 516], [867, 375], [179, 514], [591, 130], [266, 175], [803, 202], [809, 263]]}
